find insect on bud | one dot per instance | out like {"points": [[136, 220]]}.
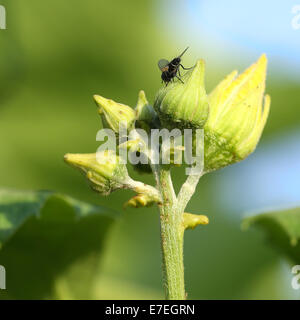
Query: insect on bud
{"points": [[238, 113], [184, 104], [102, 169], [115, 114]]}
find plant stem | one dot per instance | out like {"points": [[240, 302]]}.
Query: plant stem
{"points": [[172, 231], [187, 190], [140, 187]]}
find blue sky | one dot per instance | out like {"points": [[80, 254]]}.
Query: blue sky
{"points": [[269, 178], [242, 29]]}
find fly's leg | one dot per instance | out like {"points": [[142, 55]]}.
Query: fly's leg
{"points": [[179, 78], [186, 68], [178, 70]]}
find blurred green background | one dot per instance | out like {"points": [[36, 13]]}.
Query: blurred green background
{"points": [[56, 54]]}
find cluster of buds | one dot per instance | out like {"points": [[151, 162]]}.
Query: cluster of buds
{"points": [[232, 116], [221, 128], [105, 170]]}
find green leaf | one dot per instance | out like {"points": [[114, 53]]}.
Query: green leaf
{"points": [[282, 228], [46, 236]]}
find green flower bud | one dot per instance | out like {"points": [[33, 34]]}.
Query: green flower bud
{"points": [[146, 117], [102, 169], [238, 113], [191, 221], [140, 200], [184, 105], [114, 114]]}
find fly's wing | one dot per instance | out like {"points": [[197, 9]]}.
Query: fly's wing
{"points": [[163, 64]]}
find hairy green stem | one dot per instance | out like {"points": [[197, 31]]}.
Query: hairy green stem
{"points": [[187, 190], [172, 230], [143, 188]]}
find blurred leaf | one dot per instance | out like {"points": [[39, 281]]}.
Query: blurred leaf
{"points": [[107, 287], [42, 235], [282, 229]]}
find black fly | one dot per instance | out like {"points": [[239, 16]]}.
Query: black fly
{"points": [[170, 69]]}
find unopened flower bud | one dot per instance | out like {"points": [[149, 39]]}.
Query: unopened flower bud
{"points": [[140, 200], [184, 105], [115, 114], [102, 169], [146, 117], [191, 221], [238, 113]]}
